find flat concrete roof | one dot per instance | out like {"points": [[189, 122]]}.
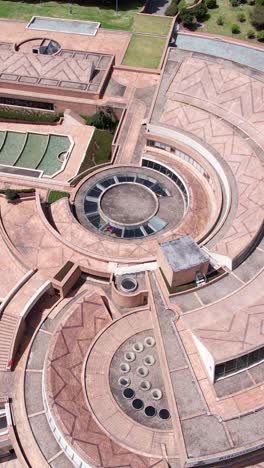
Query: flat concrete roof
{"points": [[183, 253]]}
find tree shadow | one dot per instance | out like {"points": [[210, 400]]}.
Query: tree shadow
{"points": [[153, 6], [104, 4]]}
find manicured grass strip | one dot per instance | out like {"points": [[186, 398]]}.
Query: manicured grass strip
{"points": [[56, 195], [50, 162], [85, 10], [12, 148], [152, 24], [144, 51], [99, 150], [2, 138], [33, 151]]}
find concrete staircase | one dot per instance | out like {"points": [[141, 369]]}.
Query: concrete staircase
{"points": [[7, 327]]}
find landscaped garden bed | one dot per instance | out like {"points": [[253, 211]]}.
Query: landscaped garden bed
{"points": [[99, 150], [30, 116]]}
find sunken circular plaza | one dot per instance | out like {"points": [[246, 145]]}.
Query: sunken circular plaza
{"points": [[131, 203], [128, 204]]}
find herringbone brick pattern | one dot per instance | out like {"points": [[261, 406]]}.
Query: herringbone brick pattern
{"points": [[66, 394], [48, 69], [199, 79]]}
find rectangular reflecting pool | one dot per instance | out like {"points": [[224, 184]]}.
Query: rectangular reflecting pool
{"points": [[88, 28]]}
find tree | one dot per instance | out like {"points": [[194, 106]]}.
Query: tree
{"points": [[172, 9], [11, 194], [235, 29], [257, 18], [187, 18], [200, 11], [241, 17], [260, 36], [220, 20], [211, 4], [104, 119], [251, 34]]}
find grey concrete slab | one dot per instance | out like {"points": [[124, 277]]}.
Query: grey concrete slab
{"points": [[154, 377], [220, 289], [174, 353], [189, 400], [186, 302], [33, 392], [251, 266], [233, 384], [183, 253], [257, 373], [44, 437], [115, 89], [204, 435], [38, 351], [247, 429]]}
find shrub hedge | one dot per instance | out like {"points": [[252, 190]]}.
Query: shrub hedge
{"points": [[6, 113]]}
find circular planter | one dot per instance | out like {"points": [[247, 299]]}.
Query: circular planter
{"points": [[142, 371], [149, 342], [130, 356], [156, 394], [149, 360], [124, 367]]}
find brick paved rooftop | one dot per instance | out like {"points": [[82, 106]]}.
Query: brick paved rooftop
{"points": [[67, 70], [72, 345]]}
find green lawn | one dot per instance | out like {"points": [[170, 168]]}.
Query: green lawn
{"points": [[152, 24], [88, 10], [229, 14], [144, 51], [55, 195], [99, 150]]}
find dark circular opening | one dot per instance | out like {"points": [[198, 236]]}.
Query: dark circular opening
{"points": [[128, 393], [164, 414], [128, 284], [137, 404], [150, 411]]}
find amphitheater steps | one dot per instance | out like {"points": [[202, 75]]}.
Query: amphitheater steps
{"points": [[7, 327]]}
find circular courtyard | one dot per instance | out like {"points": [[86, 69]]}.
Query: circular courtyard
{"points": [[131, 202], [128, 204]]}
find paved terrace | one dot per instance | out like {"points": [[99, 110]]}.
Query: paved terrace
{"points": [[74, 328], [218, 104], [234, 422], [104, 41]]}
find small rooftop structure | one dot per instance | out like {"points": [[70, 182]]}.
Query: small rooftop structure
{"points": [[183, 253], [181, 259]]}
